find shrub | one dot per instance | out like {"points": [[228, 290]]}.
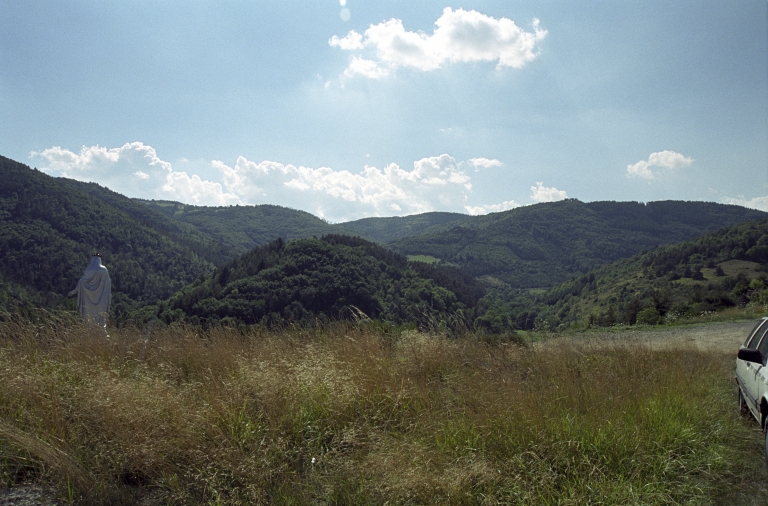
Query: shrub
{"points": [[649, 316]]}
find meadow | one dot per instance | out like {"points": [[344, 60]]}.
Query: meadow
{"points": [[360, 413]]}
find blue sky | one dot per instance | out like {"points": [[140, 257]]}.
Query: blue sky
{"points": [[357, 108]]}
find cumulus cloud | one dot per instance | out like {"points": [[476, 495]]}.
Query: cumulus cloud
{"points": [[492, 208], [458, 37], [135, 170], [483, 163], [541, 193], [759, 203], [352, 41], [667, 159], [366, 68], [434, 183], [437, 183]]}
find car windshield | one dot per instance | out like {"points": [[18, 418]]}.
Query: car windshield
{"points": [[754, 337]]}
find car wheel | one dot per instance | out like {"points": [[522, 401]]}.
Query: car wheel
{"points": [[743, 409]]}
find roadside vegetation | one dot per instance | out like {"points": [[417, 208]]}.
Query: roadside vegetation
{"points": [[365, 413]]}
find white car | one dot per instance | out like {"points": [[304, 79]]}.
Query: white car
{"points": [[752, 376]]}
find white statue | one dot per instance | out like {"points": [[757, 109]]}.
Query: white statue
{"points": [[94, 292]]}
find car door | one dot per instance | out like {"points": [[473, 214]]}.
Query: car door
{"points": [[751, 343], [756, 374]]}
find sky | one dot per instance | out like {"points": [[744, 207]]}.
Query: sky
{"points": [[356, 108]]}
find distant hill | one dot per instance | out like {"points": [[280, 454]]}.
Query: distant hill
{"points": [[241, 228], [389, 229], [329, 278], [544, 244], [49, 228], [721, 269], [203, 244]]}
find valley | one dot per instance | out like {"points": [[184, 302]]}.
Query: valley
{"points": [[548, 266]]}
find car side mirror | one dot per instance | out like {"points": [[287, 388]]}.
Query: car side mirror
{"points": [[749, 355]]}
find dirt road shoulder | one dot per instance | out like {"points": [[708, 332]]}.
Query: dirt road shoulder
{"points": [[721, 336]]}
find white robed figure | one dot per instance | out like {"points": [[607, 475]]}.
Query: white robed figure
{"points": [[94, 292]]}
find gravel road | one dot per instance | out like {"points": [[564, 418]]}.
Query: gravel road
{"points": [[722, 337]]}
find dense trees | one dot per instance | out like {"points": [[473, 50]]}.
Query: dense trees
{"points": [[238, 229], [49, 229], [332, 277], [545, 244], [397, 227], [679, 279]]}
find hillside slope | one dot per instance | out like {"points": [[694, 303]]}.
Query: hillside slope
{"points": [[328, 278], [203, 244], [398, 227], [721, 269], [544, 244], [48, 230], [241, 228]]}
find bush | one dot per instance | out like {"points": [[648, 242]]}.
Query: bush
{"points": [[649, 316]]}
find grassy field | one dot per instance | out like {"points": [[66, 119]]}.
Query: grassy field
{"points": [[355, 414], [427, 259]]}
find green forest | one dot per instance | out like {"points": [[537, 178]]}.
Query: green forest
{"points": [[49, 229], [334, 277], [724, 268], [238, 229], [542, 245], [397, 227]]}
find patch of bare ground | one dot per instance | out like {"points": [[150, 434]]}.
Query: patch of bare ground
{"points": [[28, 494]]}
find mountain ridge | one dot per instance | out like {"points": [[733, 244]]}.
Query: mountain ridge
{"points": [[543, 244]]}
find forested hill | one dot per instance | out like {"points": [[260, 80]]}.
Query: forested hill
{"points": [[329, 278], [721, 269], [48, 230], [241, 228], [397, 227], [205, 245], [544, 244]]}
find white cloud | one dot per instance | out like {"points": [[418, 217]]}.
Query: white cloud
{"points": [[483, 163], [667, 159], [352, 41], [365, 68], [134, 170], [437, 183], [541, 193], [640, 169], [492, 208], [434, 183], [759, 203], [458, 37]]}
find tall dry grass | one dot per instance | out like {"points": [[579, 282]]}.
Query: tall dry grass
{"points": [[351, 414]]}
